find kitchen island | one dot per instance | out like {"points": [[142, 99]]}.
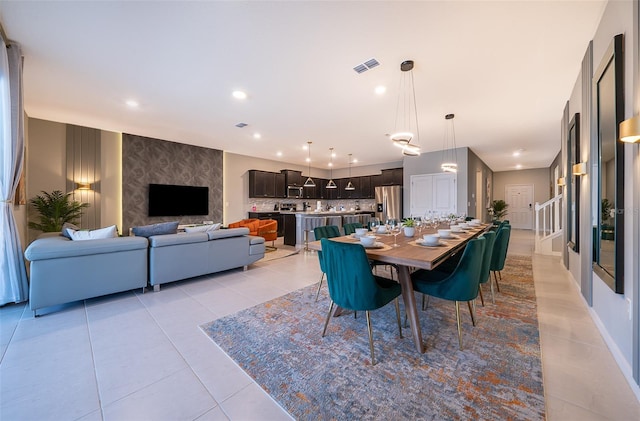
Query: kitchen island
{"points": [[304, 221]]}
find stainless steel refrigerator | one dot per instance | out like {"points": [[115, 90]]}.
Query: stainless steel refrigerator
{"points": [[388, 203]]}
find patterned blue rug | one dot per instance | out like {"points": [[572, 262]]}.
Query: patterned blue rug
{"points": [[497, 376]]}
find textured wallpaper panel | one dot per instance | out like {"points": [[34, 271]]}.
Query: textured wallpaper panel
{"points": [[146, 161]]}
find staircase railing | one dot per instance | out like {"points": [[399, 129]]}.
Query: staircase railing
{"points": [[548, 220]]}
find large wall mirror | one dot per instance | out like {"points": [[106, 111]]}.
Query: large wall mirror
{"points": [[573, 185], [609, 173]]}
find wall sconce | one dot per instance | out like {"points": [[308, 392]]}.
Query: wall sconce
{"points": [[630, 130], [83, 186], [580, 168], [561, 182]]}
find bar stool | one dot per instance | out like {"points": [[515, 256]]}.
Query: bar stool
{"points": [[309, 223], [364, 219]]}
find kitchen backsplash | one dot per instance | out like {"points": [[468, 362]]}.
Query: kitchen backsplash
{"points": [[268, 205]]}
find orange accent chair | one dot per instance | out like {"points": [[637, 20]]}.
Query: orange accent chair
{"points": [[265, 228]]}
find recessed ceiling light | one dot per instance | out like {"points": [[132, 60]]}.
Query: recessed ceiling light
{"points": [[518, 152], [380, 90], [518, 167], [239, 95], [354, 161], [307, 159], [331, 164], [132, 104], [305, 147], [278, 153], [257, 135]]}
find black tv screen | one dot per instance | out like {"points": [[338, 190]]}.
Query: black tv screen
{"points": [[171, 200]]}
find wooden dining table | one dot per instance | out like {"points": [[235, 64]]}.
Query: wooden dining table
{"points": [[410, 254]]}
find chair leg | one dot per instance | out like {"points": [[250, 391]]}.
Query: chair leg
{"points": [[473, 316], [398, 317], [326, 323], [458, 322], [479, 292], [425, 304], [319, 286], [373, 361], [495, 275]]}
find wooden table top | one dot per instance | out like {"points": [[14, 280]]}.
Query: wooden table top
{"points": [[409, 252]]}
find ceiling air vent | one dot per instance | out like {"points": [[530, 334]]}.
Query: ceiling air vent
{"points": [[369, 64], [241, 125]]}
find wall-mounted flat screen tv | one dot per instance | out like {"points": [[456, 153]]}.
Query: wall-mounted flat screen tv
{"points": [[171, 200]]}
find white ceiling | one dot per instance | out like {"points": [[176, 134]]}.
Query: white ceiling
{"points": [[505, 68]]}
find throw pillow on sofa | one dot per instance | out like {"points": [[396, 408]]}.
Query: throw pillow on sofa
{"points": [[203, 228], [108, 232], [156, 229], [66, 225]]}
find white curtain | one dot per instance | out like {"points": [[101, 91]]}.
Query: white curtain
{"points": [[14, 287]]}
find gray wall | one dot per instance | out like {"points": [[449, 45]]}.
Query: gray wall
{"points": [[475, 165], [147, 160]]}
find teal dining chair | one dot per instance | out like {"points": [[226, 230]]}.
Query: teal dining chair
{"points": [[353, 286], [499, 256], [460, 285], [327, 231], [485, 273], [350, 228]]}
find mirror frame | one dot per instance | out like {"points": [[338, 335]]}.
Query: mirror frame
{"points": [[613, 56], [573, 187]]}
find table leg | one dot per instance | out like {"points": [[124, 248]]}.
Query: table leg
{"points": [[410, 305]]}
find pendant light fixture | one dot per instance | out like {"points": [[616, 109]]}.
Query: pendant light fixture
{"points": [[331, 184], [309, 182], [449, 154], [404, 126], [349, 184]]}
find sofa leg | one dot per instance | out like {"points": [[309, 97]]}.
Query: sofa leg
{"points": [[245, 268], [156, 288]]}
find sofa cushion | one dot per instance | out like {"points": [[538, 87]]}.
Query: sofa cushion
{"points": [[175, 239], [162, 228], [97, 234], [231, 232], [203, 228], [55, 247], [66, 225]]}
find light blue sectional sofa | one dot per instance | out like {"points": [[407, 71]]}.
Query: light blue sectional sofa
{"points": [[173, 257], [62, 270]]}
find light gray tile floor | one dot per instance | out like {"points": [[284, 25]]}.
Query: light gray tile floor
{"points": [[134, 356]]}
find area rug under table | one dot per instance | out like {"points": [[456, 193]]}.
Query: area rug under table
{"points": [[498, 374]]}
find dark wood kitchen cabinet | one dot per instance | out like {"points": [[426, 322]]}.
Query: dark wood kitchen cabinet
{"points": [[392, 177], [289, 229], [262, 184]]}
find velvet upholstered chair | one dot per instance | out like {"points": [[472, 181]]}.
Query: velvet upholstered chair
{"points": [[327, 231], [499, 256], [350, 228], [353, 286], [485, 273], [265, 228], [460, 285]]}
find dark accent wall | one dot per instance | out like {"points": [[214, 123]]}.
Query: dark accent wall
{"points": [[147, 160]]}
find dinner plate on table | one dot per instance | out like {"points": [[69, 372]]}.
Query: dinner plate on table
{"points": [[376, 245], [421, 242]]}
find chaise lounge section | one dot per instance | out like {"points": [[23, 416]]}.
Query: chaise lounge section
{"points": [[63, 271]]}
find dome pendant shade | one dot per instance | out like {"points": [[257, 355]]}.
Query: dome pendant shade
{"points": [[309, 182]]}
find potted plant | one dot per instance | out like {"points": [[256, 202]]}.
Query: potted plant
{"points": [[498, 209], [54, 209], [408, 225]]}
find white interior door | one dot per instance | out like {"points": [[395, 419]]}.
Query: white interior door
{"points": [[519, 197], [433, 192]]}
